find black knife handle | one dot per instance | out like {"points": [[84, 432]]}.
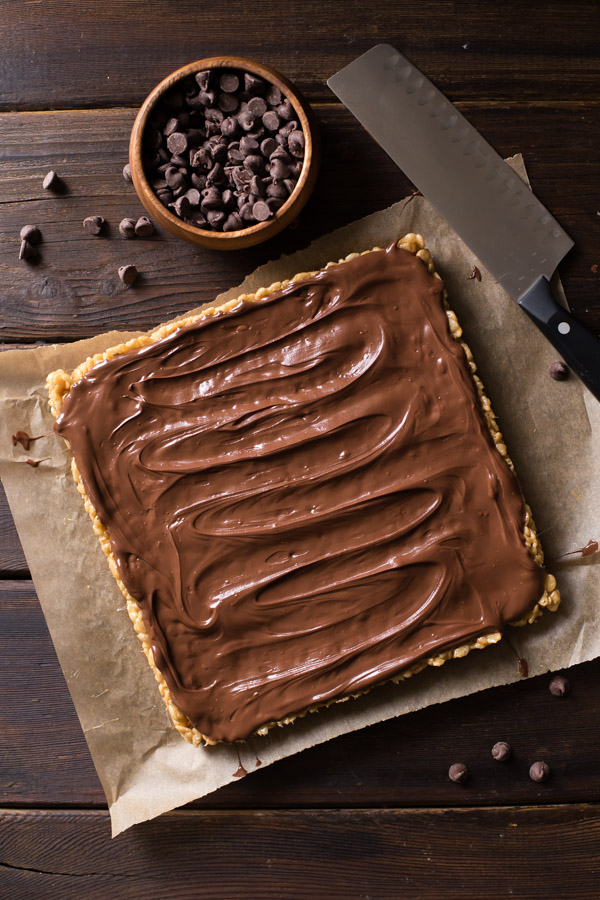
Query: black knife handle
{"points": [[579, 347]]}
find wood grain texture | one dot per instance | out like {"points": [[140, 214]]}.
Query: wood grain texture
{"points": [[75, 292], [403, 762], [12, 559], [458, 854], [69, 53]]}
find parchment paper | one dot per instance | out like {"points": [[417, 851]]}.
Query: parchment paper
{"points": [[553, 435]]}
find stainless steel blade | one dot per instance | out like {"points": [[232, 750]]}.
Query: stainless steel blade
{"points": [[480, 196]]}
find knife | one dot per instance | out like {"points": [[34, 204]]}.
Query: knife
{"points": [[471, 186]]}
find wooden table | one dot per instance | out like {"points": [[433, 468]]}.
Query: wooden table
{"points": [[372, 814]]}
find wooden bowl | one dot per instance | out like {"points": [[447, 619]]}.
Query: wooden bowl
{"points": [[255, 234]]}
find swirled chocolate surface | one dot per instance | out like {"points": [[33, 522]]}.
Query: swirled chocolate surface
{"points": [[302, 494]]}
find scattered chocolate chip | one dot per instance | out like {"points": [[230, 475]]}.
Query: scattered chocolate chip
{"points": [[559, 686], [127, 173], [93, 224], [51, 182], [144, 227], [558, 370], [127, 227], [128, 274], [539, 771], [458, 773], [475, 273], [27, 251], [31, 234], [595, 268], [501, 751]]}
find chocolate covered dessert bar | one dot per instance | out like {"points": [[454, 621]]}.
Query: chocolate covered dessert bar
{"points": [[302, 493]]}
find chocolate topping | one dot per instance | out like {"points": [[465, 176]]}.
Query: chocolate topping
{"points": [[302, 494]]}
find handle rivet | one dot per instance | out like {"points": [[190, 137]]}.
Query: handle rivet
{"points": [[564, 327]]}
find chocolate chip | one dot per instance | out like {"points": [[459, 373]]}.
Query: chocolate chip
{"points": [[228, 103], [144, 227], [93, 224], [177, 142], [193, 195], [215, 217], [207, 97], [558, 370], [458, 773], [31, 234], [248, 145], [233, 222], [27, 250], [216, 175], [197, 218], [279, 169], [211, 199], [171, 126], [285, 110], [271, 120], [257, 106], [254, 163], [128, 274], [277, 191], [281, 154], [261, 211], [127, 228], [181, 207], [202, 79], [274, 96], [539, 771], [229, 126], [501, 751], [127, 173], [559, 686], [246, 120], [174, 178], [246, 211], [296, 144], [229, 82], [52, 182], [198, 181], [253, 84], [268, 146]]}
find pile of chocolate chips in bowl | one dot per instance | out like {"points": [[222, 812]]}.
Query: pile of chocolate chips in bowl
{"points": [[223, 150]]}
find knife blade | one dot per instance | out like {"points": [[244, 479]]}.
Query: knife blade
{"points": [[471, 186]]}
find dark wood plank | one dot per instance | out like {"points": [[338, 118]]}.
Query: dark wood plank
{"points": [[12, 559], [69, 54], [403, 762], [531, 853], [75, 292]]}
